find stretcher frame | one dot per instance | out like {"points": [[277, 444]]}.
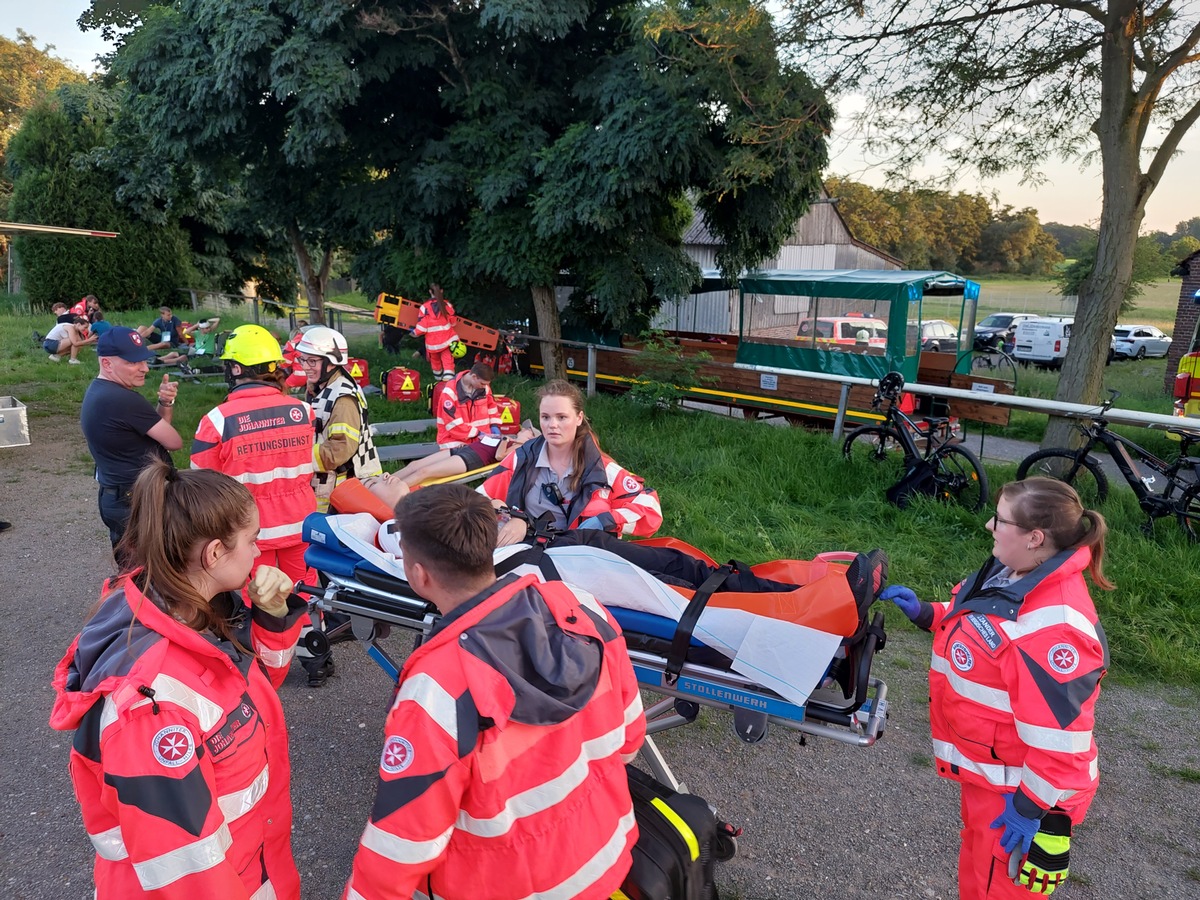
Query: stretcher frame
{"points": [[858, 721]]}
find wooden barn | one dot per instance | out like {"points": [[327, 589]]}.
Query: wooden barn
{"points": [[820, 240]]}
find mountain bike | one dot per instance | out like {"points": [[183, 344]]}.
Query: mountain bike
{"points": [[954, 472], [1178, 495]]}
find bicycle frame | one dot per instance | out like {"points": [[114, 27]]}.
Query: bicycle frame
{"points": [[896, 419], [1119, 447]]}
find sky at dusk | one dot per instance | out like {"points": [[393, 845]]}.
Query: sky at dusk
{"points": [[1070, 195]]}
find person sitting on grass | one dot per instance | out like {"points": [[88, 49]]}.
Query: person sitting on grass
{"points": [[166, 328], [68, 337], [205, 345], [391, 487]]}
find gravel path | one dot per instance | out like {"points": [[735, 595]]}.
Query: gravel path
{"points": [[820, 819]]}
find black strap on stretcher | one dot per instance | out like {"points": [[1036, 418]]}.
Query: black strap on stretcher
{"points": [[535, 556], [687, 622]]}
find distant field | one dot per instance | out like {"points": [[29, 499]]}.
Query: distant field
{"points": [[1156, 306]]}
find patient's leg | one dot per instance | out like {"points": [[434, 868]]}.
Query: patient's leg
{"points": [[436, 465], [677, 566]]}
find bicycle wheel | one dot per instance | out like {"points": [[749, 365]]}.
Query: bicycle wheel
{"points": [[994, 364], [960, 478], [1188, 510], [1086, 475], [874, 443]]}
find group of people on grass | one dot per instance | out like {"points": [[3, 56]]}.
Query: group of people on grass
{"points": [[501, 769], [82, 325]]}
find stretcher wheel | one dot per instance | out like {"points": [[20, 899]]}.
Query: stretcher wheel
{"points": [[724, 845], [316, 643]]}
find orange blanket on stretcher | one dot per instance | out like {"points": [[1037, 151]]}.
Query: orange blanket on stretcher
{"points": [[822, 600]]}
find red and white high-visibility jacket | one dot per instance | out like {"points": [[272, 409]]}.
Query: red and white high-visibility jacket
{"points": [[180, 754], [463, 416], [502, 773], [1013, 684], [438, 329], [264, 439], [615, 495]]}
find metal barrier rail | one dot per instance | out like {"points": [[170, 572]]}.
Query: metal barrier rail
{"points": [[1029, 404]]}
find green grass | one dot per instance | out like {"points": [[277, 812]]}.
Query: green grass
{"points": [[753, 492]]}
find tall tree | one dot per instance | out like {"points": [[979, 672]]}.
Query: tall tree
{"points": [[249, 98], [27, 75], [998, 86], [56, 180], [566, 141], [531, 146]]}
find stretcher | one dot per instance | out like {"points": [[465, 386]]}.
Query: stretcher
{"points": [[843, 702]]}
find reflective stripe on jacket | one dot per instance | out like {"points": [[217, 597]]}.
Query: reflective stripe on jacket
{"points": [[615, 495], [502, 772], [460, 417], [1013, 682], [263, 439], [438, 329], [180, 753], [354, 433]]}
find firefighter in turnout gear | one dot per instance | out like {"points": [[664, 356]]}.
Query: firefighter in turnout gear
{"points": [[1018, 656], [344, 447], [180, 753], [502, 772]]}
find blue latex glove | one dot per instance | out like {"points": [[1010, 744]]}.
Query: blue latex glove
{"points": [[904, 598], [591, 523], [1018, 829], [495, 429]]}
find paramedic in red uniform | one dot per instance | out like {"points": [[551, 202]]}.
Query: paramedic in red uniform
{"points": [[466, 412], [180, 751], [561, 488], [435, 322], [502, 773], [264, 439], [1018, 655]]}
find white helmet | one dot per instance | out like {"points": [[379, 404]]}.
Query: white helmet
{"points": [[321, 341]]}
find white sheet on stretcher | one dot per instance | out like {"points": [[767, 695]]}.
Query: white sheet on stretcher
{"points": [[789, 659]]}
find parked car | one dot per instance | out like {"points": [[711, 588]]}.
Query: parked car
{"points": [[936, 335], [1043, 342], [999, 330], [1139, 341], [845, 330]]}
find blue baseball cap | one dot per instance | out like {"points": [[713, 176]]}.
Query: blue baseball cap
{"points": [[125, 343]]}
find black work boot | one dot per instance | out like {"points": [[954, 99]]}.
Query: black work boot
{"points": [[318, 668]]}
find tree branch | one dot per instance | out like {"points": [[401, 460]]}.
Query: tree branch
{"points": [[1170, 143]]}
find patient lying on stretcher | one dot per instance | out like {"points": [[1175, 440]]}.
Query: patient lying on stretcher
{"points": [[787, 589]]}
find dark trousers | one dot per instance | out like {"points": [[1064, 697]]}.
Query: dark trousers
{"points": [[114, 504], [669, 565]]}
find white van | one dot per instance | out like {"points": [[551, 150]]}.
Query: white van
{"points": [[1043, 342]]}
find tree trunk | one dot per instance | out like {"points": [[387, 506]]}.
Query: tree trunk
{"points": [[313, 279], [545, 308], [1125, 191]]}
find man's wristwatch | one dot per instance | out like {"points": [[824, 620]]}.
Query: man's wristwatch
{"points": [[166, 403]]}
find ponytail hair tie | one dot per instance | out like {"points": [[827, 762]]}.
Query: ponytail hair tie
{"points": [[172, 474]]}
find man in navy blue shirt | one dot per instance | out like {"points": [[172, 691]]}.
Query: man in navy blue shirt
{"points": [[123, 430], [166, 331]]}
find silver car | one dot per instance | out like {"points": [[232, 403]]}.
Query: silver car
{"points": [[1139, 341]]}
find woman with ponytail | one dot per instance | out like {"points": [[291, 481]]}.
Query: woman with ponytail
{"points": [[180, 757], [1018, 655]]}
